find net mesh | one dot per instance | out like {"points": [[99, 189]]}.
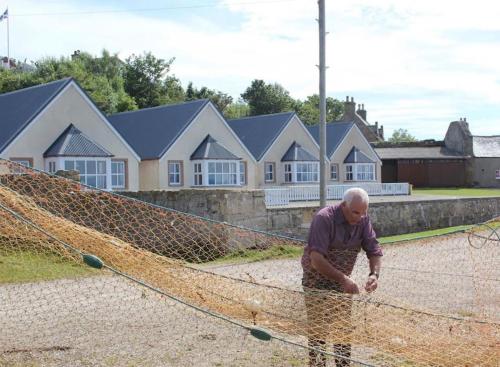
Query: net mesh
{"points": [[174, 290]]}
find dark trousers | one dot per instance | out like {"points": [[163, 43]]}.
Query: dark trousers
{"points": [[328, 321]]}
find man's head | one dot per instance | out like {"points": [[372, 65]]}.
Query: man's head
{"points": [[355, 205]]}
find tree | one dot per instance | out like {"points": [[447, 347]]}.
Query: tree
{"points": [[400, 136], [237, 110], [218, 98], [308, 111], [265, 98], [146, 81]]}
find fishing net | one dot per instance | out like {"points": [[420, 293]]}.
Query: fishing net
{"points": [[96, 278]]}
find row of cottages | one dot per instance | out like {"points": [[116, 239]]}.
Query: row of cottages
{"points": [[461, 159], [56, 126]]}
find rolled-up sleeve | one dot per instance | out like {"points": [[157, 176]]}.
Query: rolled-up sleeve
{"points": [[319, 234], [370, 243]]}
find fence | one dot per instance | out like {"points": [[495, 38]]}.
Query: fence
{"points": [[281, 196]]}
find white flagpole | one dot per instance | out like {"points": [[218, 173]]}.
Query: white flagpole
{"points": [[8, 43]]}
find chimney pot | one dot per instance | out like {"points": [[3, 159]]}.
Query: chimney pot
{"points": [[352, 99], [347, 98], [363, 106], [465, 119]]}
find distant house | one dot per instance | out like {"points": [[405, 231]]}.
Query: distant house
{"points": [[186, 145], [351, 157], [372, 133], [56, 126], [483, 167], [284, 150], [461, 159]]}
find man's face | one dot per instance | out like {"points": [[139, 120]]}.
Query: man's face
{"points": [[355, 212]]}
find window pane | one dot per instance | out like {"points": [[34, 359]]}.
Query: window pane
{"points": [[211, 179], [91, 167], [69, 165], [114, 180], [101, 167], [211, 167], [92, 181], [101, 182], [80, 167]]}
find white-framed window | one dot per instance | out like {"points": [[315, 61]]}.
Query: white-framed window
{"points": [[243, 173], [198, 175], [118, 169], [365, 172], [307, 171], [92, 171], [222, 173], [349, 175], [497, 174], [269, 168], [218, 173], [360, 172], [334, 172], [174, 173], [288, 172], [301, 172], [52, 167]]}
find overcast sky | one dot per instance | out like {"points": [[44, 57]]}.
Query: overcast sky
{"points": [[415, 65]]}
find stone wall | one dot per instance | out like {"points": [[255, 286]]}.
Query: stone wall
{"points": [[246, 208]]}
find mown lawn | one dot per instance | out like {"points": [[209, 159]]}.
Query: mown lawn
{"points": [[454, 191], [26, 266]]}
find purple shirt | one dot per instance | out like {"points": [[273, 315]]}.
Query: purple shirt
{"points": [[340, 242]]}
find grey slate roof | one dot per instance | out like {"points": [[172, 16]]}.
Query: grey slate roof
{"points": [[19, 108], [258, 133], [210, 149], [298, 154], [335, 132], [436, 152], [357, 156], [486, 146], [73, 143], [151, 131]]}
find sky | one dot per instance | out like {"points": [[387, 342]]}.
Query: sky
{"points": [[415, 65]]}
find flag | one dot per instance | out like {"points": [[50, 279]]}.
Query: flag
{"points": [[5, 14]]}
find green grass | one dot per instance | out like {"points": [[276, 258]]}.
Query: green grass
{"points": [[275, 252], [453, 191], [27, 266], [424, 234]]}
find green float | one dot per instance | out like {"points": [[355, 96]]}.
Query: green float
{"points": [[260, 334], [93, 261]]}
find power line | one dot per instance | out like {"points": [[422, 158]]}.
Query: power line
{"points": [[212, 5]]}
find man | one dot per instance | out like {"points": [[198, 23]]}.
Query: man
{"points": [[336, 236]]}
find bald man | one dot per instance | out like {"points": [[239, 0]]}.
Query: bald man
{"points": [[336, 236]]}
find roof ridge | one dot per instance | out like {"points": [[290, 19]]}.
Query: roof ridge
{"points": [[265, 115], [204, 100], [37, 86], [486, 136]]}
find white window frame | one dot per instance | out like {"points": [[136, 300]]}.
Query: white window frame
{"points": [[221, 179], [294, 172], [52, 167], [360, 172], [269, 172], [175, 173], [334, 172], [198, 174], [26, 162], [243, 173], [84, 178], [117, 175], [288, 169]]}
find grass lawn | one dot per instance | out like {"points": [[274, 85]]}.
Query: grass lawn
{"points": [[20, 267], [454, 191]]}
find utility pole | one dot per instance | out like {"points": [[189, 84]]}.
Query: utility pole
{"points": [[322, 105]]}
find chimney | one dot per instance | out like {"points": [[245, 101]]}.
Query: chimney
{"points": [[349, 109], [361, 111]]}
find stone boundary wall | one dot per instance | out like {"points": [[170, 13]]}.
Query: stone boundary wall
{"points": [[247, 208]]}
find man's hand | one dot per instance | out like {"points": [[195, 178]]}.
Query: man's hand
{"points": [[349, 286], [371, 283]]}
